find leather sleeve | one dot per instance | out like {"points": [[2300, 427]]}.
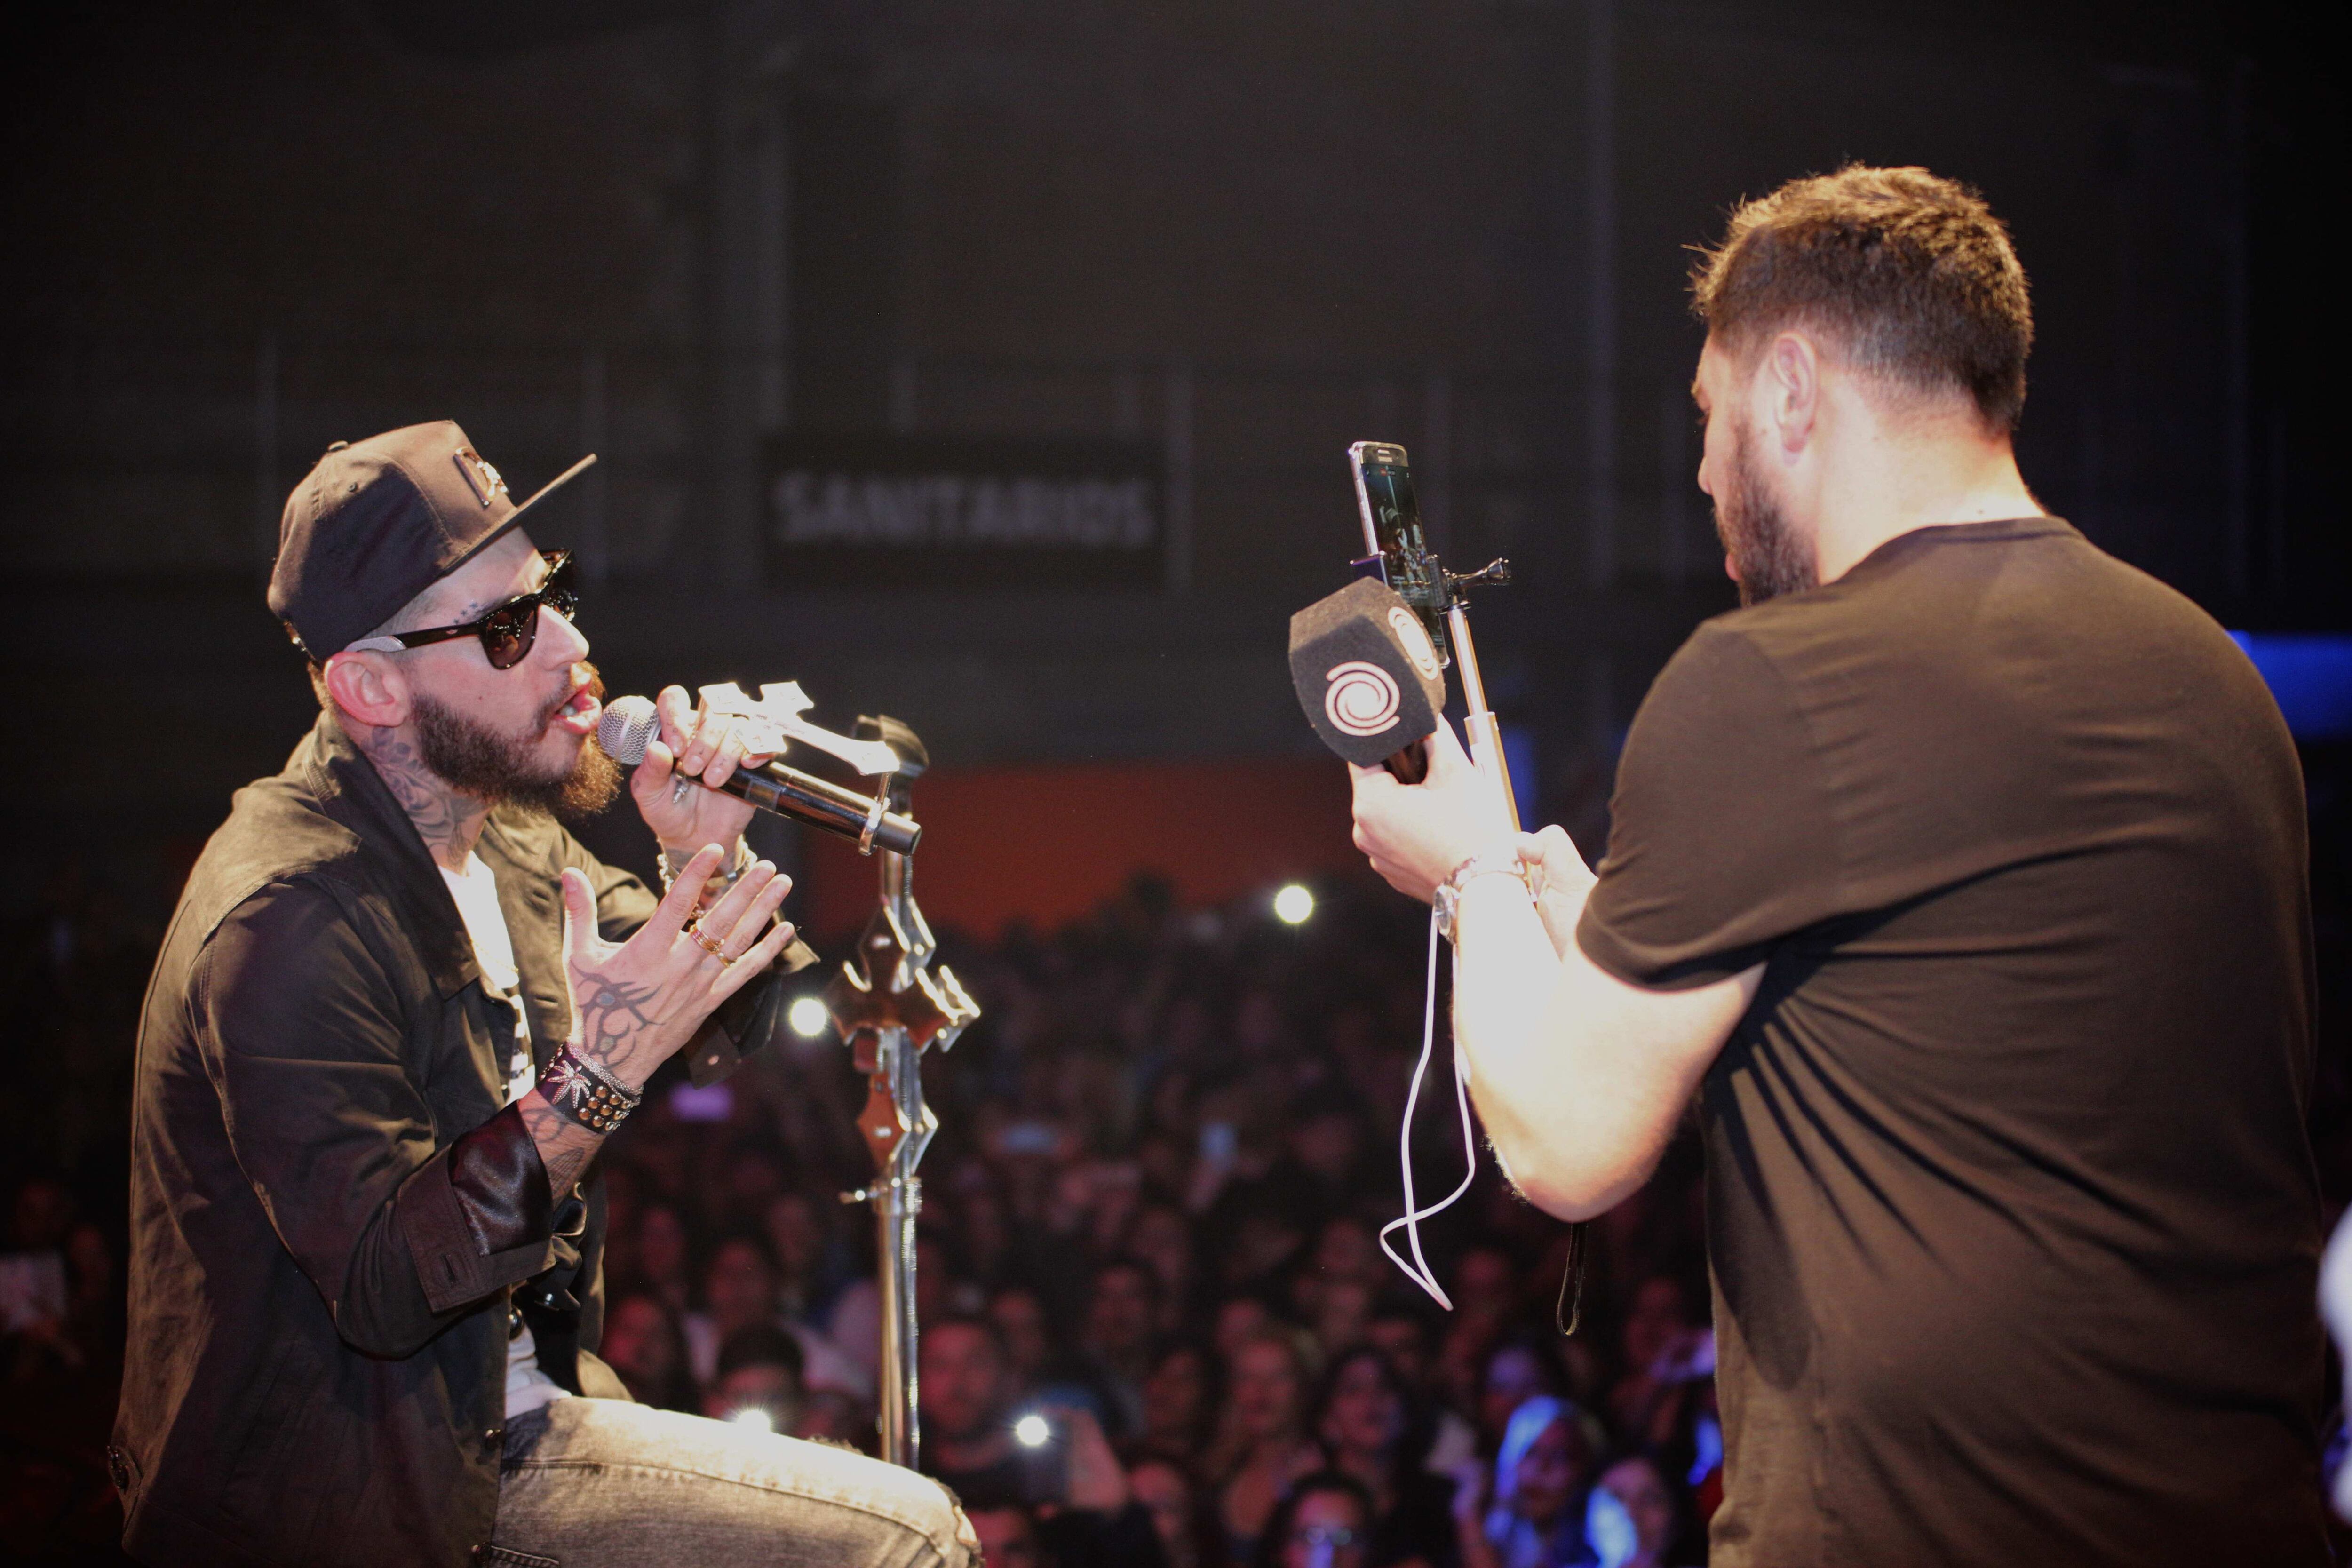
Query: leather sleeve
{"points": [[300, 1026], [501, 1183]]}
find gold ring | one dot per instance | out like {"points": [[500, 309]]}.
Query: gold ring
{"points": [[716, 949]]}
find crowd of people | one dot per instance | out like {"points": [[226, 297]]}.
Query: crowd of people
{"points": [[1157, 1322]]}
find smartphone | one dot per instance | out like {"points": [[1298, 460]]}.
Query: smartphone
{"points": [[1392, 533], [1393, 538]]}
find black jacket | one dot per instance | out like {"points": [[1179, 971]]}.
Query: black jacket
{"points": [[328, 1208]]}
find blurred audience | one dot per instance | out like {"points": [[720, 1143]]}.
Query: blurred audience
{"points": [[1323, 1520]]}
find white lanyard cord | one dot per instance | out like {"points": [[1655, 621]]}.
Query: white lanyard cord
{"points": [[1418, 1270]]}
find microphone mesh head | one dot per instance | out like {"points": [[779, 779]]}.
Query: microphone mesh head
{"points": [[629, 722]]}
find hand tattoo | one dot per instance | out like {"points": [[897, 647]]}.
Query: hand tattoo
{"points": [[614, 1016]]}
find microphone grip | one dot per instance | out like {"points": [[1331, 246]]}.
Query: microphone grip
{"points": [[804, 797], [1410, 765]]}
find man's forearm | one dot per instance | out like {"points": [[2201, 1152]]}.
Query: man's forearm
{"points": [[1579, 1076], [564, 1146], [1505, 975]]}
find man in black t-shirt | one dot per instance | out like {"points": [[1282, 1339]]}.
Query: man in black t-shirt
{"points": [[1961, 875]]}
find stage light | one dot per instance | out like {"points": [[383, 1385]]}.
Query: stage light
{"points": [[1293, 905], [808, 1017], [751, 1416], [1032, 1432]]}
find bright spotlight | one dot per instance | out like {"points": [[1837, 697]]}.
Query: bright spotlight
{"points": [[1032, 1432], [1293, 905], [751, 1416], [808, 1017]]}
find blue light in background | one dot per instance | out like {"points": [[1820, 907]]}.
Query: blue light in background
{"points": [[2310, 676], [1519, 762]]}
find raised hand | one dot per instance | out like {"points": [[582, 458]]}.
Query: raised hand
{"points": [[636, 1004], [693, 744]]}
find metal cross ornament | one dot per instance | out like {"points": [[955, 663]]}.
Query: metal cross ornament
{"points": [[774, 718], [890, 985]]}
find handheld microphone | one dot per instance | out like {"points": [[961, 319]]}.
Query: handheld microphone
{"points": [[631, 723], [1368, 677]]}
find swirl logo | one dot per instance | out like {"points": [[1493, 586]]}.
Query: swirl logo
{"points": [[1361, 698], [1415, 638]]}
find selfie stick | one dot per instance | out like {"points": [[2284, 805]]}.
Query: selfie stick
{"points": [[888, 1005], [1404, 561]]}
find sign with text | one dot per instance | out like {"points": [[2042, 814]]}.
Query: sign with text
{"points": [[885, 510]]}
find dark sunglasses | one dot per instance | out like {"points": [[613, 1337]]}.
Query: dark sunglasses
{"points": [[507, 632]]}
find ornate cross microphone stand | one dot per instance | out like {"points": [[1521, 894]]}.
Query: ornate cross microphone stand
{"points": [[889, 1006]]}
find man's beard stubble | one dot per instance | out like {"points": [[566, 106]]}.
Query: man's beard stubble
{"points": [[499, 769], [1768, 555]]}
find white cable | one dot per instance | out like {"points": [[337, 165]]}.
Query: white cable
{"points": [[1418, 1270]]}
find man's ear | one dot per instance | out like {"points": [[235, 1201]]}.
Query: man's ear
{"points": [[1789, 384], [369, 688]]}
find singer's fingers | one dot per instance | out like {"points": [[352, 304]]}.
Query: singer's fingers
{"points": [[726, 741], [753, 922], [671, 915], [733, 977], [720, 921], [652, 776], [679, 720], [579, 913]]}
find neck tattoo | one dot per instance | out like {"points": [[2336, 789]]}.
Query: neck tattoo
{"points": [[447, 820]]}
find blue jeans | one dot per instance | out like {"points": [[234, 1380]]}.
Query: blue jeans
{"points": [[603, 1483]]}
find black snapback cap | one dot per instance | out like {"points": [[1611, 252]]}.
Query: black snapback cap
{"points": [[378, 521]]}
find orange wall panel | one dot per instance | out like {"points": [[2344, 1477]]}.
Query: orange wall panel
{"points": [[1048, 844]]}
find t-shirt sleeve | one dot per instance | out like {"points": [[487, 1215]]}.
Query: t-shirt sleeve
{"points": [[1720, 841]]}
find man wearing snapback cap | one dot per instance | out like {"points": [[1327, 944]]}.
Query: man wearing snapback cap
{"points": [[398, 1010]]}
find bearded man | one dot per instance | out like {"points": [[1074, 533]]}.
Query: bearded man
{"points": [[398, 1011], [1962, 876]]}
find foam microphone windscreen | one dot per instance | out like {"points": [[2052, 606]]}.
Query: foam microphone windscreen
{"points": [[1367, 676]]}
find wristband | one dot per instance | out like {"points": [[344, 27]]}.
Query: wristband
{"points": [[1504, 863], [584, 1093]]}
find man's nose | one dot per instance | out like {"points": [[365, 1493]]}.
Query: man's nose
{"points": [[561, 637]]}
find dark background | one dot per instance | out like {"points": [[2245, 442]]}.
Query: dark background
{"points": [[1236, 233], [1248, 232]]}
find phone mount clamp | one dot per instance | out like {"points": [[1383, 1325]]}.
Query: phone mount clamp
{"points": [[889, 1005]]}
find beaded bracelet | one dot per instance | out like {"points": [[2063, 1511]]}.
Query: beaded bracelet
{"points": [[585, 1093]]}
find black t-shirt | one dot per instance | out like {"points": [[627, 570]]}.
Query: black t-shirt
{"points": [[2012, 1217]]}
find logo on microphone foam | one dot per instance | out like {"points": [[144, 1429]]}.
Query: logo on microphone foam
{"points": [[1415, 638], [1362, 698]]}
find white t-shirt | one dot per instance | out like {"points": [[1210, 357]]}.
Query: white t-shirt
{"points": [[476, 893]]}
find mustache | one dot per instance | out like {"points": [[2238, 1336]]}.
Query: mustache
{"points": [[555, 705]]}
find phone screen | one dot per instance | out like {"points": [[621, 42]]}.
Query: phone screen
{"points": [[1391, 516], [1392, 532]]}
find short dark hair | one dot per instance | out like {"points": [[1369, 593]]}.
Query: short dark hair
{"points": [[979, 1325], [1909, 274], [1276, 1535], [761, 1344]]}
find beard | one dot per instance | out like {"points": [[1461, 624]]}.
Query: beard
{"points": [[1768, 556], [502, 769]]}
